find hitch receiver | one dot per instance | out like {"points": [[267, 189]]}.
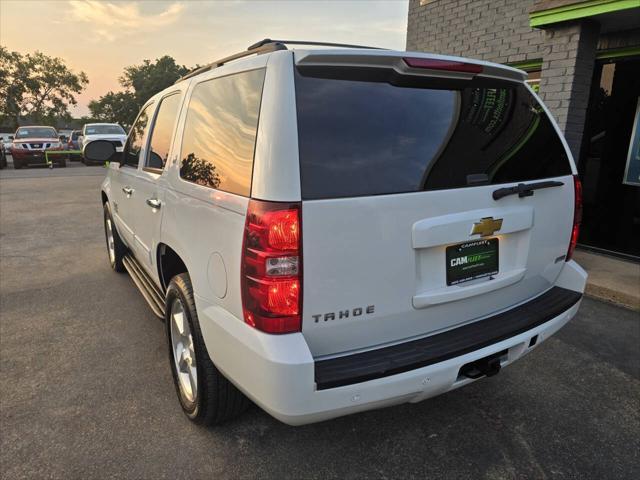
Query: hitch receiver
{"points": [[487, 366]]}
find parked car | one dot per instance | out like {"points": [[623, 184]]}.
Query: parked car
{"points": [[395, 226], [3, 157], [30, 144], [111, 132], [74, 144], [6, 143]]}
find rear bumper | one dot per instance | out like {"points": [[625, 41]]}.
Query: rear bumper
{"points": [[280, 375]]}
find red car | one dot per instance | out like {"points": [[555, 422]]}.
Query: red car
{"points": [[29, 146]]}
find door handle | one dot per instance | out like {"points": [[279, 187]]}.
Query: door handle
{"points": [[154, 202], [127, 190]]}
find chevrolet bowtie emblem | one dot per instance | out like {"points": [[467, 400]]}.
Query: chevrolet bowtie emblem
{"points": [[486, 226]]}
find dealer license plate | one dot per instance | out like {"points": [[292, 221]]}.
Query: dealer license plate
{"points": [[471, 260]]}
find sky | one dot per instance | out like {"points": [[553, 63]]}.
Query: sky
{"points": [[100, 38]]}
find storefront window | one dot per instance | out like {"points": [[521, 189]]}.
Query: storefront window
{"points": [[611, 219], [533, 79]]}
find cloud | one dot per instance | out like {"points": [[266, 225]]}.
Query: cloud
{"points": [[111, 20]]}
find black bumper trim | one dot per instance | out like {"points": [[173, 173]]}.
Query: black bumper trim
{"points": [[383, 362]]}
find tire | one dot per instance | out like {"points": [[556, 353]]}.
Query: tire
{"points": [[63, 163], [119, 248], [17, 165], [215, 399]]}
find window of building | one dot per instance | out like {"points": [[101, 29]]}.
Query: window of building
{"points": [[220, 132], [162, 132], [533, 79], [611, 199]]}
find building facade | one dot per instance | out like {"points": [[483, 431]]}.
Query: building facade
{"points": [[583, 59]]}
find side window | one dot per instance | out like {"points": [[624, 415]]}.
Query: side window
{"points": [[132, 149], [220, 132], [162, 132]]}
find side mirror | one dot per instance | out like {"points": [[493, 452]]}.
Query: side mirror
{"points": [[99, 151]]}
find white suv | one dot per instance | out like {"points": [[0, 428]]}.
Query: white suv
{"points": [[327, 231]]}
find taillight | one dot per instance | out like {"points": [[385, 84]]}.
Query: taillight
{"points": [[272, 267], [577, 216], [449, 65]]}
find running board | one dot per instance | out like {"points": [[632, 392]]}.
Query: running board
{"points": [[145, 284]]}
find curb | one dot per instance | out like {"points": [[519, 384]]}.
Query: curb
{"points": [[605, 294]]}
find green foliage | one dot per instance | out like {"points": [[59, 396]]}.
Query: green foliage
{"points": [[150, 78], [115, 107], [37, 86], [140, 82]]}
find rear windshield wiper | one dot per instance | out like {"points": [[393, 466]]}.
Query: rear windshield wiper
{"points": [[524, 189]]}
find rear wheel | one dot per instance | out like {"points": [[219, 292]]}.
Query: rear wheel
{"points": [[17, 164], [115, 247], [205, 395]]}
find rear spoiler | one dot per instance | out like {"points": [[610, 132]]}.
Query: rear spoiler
{"points": [[409, 63]]}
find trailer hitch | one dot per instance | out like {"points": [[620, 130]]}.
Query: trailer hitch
{"points": [[487, 366]]}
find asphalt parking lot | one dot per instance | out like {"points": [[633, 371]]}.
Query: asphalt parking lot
{"points": [[86, 391]]}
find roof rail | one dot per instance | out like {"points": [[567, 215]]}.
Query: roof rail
{"points": [[269, 47], [268, 41], [264, 46]]}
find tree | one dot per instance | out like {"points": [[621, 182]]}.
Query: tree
{"points": [[140, 83], [115, 107], [150, 78], [37, 86], [200, 171]]}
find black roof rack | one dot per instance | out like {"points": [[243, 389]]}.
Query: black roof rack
{"points": [[265, 46], [268, 41], [271, 47]]}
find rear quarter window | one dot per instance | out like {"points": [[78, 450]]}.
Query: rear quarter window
{"points": [[361, 138], [220, 132]]}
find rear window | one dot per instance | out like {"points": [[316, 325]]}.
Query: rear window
{"points": [[220, 132], [361, 138]]}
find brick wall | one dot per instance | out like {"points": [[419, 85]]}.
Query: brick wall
{"points": [[494, 30], [567, 71]]}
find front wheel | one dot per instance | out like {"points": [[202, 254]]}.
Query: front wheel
{"points": [[206, 396], [115, 247]]}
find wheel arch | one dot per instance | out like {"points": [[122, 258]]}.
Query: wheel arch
{"points": [[170, 264]]}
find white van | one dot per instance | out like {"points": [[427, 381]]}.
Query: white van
{"points": [[327, 231]]}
